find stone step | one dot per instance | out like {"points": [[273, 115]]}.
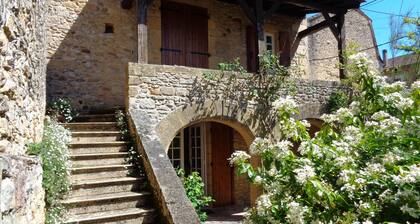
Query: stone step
{"points": [[98, 147], [91, 126], [106, 185], [123, 216], [95, 136], [103, 171], [96, 159], [106, 202], [94, 117]]}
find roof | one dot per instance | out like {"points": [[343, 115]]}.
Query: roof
{"points": [[301, 8], [402, 60]]}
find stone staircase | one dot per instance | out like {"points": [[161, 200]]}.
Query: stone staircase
{"points": [[105, 187]]}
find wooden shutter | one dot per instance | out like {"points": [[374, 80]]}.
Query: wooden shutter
{"points": [[251, 49], [197, 41], [284, 48], [184, 35], [173, 35]]}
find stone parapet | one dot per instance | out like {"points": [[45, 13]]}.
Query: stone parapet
{"points": [[168, 191], [159, 90]]}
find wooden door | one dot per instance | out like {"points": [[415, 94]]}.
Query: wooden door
{"points": [[184, 35], [222, 172]]}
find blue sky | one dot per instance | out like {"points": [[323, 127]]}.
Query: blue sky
{"points": [[381, 21]]}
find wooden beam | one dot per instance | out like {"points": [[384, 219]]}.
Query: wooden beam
{"points": [[313, 29], [250, 13], [127, 4], [142, 41], [259, 12], [273, 9], [331, 24], [311, 4], [308, 31], [341, 43]]}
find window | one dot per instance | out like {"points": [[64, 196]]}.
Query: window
{"points": [[269, 42], [195, 149], [109, 28], [176, 151]]}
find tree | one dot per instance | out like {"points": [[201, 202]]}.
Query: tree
{"points": [[362, 167]]}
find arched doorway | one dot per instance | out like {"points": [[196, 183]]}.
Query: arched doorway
{"points": [[205, 147]]}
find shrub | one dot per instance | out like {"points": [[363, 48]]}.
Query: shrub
{"points": [[194, 187], [362, 167], [61, 110], [54, 155], [337, 100]]}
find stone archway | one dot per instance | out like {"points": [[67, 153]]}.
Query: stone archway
{"points": [[214, 111], [243, 128]]}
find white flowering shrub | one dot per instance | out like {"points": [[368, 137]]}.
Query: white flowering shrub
{"points": [[54, 154], [363, 166]]}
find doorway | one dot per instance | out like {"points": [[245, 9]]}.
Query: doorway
{"points": [[222, 172], [205, 148]]}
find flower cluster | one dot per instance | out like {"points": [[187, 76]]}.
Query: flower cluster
{"points": [[363, 165], [54, 153], [239, 157]]}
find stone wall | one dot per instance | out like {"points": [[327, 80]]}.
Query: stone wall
{"points": [[85, 64], [241, 186], [159, 90], [21, 192], [22, 73], [22, 109], [323, 50]]}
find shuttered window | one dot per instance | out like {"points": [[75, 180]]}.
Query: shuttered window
{"points": [[284, 48]]}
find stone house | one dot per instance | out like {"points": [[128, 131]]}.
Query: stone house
{"points": [[404, 68], [149, 57]]}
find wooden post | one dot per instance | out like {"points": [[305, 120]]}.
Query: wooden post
{"points": [[142, 43], [259, 14], [341, 43]]}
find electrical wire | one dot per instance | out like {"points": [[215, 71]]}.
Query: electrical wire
{"points": [[365, 49], [388, 13], [372, 3]]}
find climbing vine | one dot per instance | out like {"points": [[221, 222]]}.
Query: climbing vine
{"points": [[262, 87]]}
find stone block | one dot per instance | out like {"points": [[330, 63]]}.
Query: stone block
{"points": [[146, 104], [168, 91], [8, 191], [154, 91]]}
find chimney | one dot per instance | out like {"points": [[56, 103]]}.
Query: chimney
{"points": [[385, 57]]}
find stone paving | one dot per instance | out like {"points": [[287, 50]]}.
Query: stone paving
{"points": [[225, 215]]}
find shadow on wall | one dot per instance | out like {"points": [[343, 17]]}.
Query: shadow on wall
{"points": [[236, 104], [89, 46]]}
